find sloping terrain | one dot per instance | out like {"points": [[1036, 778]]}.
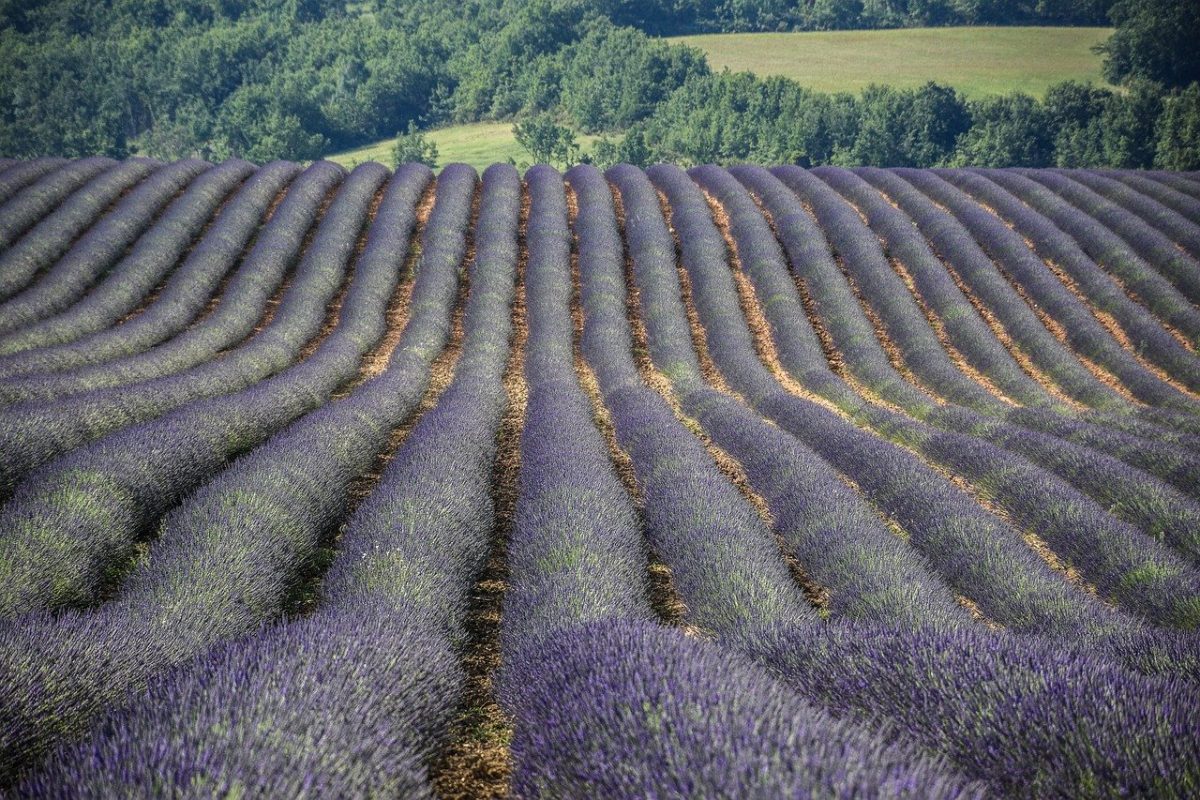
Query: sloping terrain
{"points": [[720, 483]]}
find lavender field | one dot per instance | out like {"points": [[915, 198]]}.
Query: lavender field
{"points": [[707, 483]]}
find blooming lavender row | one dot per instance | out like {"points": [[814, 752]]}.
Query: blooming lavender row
{"points": [[242, 309], [18, 175], [1149, 245], [1179, 181], [374, 671], [227, 559], [24, 208], [628, 709], [1011, 252], [1102, 245], [1077, 322], [62, 535], [33, 433], [898, 312], [1150, 651], [862, 257], [1063, 735], [182, 236], [958, 247], [1032, 717], [1169, 405], [128, 253], [1138, 572], [1162, 254], [827, 526], [576, 553], [1164, 194], [50, 238], [1119, 489], [960, 323], [724, 563], [187, 293], [423, 536], [1181, 228], [964, 543], [1131, 494], [855, 341], [987, 286], [343, 704]]}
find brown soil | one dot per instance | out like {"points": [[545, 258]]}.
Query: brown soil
{"points": [[333, 312], [376, 360], [1057, 329], [661, 592], [749, 304], [441, 374], [939, 330], [1114, 329], [976, 613], [272, 304], [895, 355], [154, 293], [729, 466], [474, 763], [223, 284], [999, 331]]}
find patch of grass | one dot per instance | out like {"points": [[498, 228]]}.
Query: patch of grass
{"points": [[479, 144], [976, 61]]}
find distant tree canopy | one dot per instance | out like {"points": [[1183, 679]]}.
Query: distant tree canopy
{"points": [[729, 117], [1155, 40], [265, 79]]}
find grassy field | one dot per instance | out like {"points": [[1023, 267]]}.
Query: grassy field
{"points": [[977, 61], [478, 144]]}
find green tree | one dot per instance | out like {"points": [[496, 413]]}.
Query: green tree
{"points": [[1008, 131], [1074, 111], [1128, 127], [412, 147], [547, 141], [1178, 145], [1155, 40], [907, 128], [614, 77]]}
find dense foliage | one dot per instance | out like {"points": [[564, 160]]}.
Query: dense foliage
{"points": [[280, 79]]}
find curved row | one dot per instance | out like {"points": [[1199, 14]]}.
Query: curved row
{"points": [[180, 308], [33, 433], [23, 209], [379, 653], [45, 242], [76, 518], [227, 560], [118, 252]]}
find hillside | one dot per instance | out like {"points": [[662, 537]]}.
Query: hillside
{"points": [[636, 483], [478, 144], [976, 61]]}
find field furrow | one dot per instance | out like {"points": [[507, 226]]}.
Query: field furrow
{"points": [[707, 482]]}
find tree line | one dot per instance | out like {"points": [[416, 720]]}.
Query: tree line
{"points": [[265, 79]]}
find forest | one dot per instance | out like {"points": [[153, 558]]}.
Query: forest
{"points": [[296, 79]]}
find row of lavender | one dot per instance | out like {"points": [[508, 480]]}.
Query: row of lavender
{"points": [[1021, 712], [577, 620]]}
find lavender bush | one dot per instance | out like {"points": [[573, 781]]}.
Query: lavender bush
{"points": [[22, 209], [56, 232], [189, 291]]}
